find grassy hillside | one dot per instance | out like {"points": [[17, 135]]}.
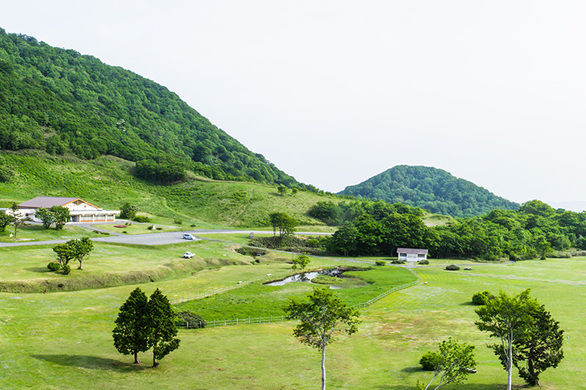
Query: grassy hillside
{"points": [[60, 101], [106, 181], [432, 189]]}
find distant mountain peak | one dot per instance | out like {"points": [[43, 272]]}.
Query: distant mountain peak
{"points": [[433, 189]]}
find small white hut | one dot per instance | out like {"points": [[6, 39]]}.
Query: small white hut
{"points": [[412, 254]]}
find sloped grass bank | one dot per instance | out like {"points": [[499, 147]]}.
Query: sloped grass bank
{"points": [[23, 269], [112, 279], [260, 300]]}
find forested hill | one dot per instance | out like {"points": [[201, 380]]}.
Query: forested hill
{"points": [[432, 189], [60, 101]]}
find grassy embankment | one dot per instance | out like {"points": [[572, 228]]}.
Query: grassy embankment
{"points": [[63, 340], [23, 269]]}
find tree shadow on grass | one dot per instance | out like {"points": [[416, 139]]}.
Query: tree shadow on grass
{"points": [[91, 362], [42, 270], [412, 369]]}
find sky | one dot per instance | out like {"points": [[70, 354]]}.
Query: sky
{"points": [[334, 92]]}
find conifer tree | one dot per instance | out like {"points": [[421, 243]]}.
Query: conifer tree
{"points": [[131, 334], [162, 324]]}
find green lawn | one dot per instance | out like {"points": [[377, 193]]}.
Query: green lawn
{"points": [[260, 300], [38, 233], [63, 340]]}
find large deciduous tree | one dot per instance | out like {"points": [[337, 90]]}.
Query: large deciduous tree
{"points": [[319, 319], [162, 326], [508, 319], [131, 334], [128, 211], [539, 348], [283, 223]]}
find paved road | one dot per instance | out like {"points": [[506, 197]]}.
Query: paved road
{"points": [[162, 238]]}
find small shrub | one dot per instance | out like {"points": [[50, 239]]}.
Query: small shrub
{"points": [[6, 174], [53, 266], [159, 228], [397, 261], [125, 232], [380, 262], [481, 298], [452, 267], [423, 262], [192, 225], [151, 227], [178, 222], [190, 320], [141, 219], [429, 361], [66, 269]]}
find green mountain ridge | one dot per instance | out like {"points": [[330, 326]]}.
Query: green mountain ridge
{"points": [[432, 189], [60, 101]]}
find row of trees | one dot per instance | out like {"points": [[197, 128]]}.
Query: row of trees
{"points": [[534, 230]]}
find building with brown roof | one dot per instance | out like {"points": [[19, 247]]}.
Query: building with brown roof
{"points": [[79, 209]]}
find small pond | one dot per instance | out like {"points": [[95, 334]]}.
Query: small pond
{"points": [[307, 277]]}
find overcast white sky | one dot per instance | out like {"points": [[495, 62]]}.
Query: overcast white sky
{"points": [[334, 92]]}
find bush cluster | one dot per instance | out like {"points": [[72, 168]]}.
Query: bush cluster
{"points": [[481, 298], [452, 267], [429, 361], [54, 266]]}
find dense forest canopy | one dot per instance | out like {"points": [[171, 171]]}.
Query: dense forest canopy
{"points": [[534, 230], [432, 189], [64, 102]]}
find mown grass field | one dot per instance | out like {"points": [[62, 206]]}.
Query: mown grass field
{"points": [[261, 300], [62, 340]]}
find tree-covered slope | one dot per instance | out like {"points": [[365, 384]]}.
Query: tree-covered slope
{"points": [[60, 101], [432, 189]]}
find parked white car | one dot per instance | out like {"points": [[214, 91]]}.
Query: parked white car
{"points": [[188, 255], [188, 236]]}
